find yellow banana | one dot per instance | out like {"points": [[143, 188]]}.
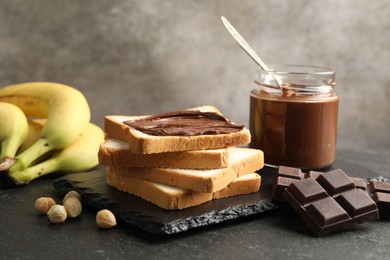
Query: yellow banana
{"points": [[13, 129], [82, 155], [66, 109], [34, 133]]}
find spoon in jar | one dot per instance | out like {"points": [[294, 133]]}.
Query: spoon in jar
{"points": [[248, 49]]}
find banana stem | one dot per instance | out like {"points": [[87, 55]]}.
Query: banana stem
{"points": [[35, 151], [29, 174], [9, 147]]}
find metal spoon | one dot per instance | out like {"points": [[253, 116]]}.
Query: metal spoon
{"points": [[247, 48]]}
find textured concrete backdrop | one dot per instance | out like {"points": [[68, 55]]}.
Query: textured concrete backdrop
{"points": [[149, 56]]}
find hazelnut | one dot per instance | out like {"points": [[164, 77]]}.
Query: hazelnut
{"points": [[57, 214], [72, 194], [105, 219], [43, 204], [73, 207]]}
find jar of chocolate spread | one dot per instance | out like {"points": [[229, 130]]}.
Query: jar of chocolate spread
{"points": [[296, 124]]}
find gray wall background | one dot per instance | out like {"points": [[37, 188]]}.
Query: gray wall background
{"points": [[147, 56]]}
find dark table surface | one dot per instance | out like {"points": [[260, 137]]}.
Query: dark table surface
{"points": [[277, 235]]}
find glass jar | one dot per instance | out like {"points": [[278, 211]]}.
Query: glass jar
{"points": [[295, 125]]}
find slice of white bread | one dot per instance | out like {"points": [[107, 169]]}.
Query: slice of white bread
{"points": [[172, 198], [114, 152], [242, 161], [242, 185], [140, 142]]}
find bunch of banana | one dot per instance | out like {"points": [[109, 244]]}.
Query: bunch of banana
{"points": [[62, 139]]}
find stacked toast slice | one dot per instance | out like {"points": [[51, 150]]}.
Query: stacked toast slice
{"points": [[197, 161]]}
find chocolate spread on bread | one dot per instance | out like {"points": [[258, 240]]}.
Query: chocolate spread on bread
{"points": [[185, 123]]}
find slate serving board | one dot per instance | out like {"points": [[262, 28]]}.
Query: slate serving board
{"points": [[95, 192], [132, 210]]}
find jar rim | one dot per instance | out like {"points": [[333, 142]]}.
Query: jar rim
{"points": [[299, 69]]}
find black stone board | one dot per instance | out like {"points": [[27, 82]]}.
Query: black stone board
{"points": [[135, 211], [132, 210]]}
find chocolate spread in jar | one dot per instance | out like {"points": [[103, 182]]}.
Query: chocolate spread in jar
{"points": [[295, 131], [185, 123]]}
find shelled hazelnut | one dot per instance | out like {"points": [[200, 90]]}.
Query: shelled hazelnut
{"points": [[72, 194], [43, 204], [57, 214], [105, 219], [73, 207]]}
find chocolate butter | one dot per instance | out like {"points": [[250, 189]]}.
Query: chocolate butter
{"points": [[185, 123], [294, 131]]}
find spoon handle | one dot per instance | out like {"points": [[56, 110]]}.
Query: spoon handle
{"points": [[244, 45]]}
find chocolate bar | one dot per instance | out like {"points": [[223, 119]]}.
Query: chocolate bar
{"points": [[378, 190], [330, 203]]}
